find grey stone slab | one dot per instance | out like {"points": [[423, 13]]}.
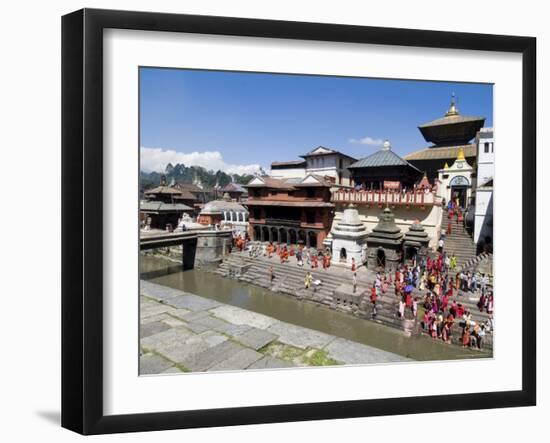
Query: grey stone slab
{"points": [[255, 338], [158, 292], [203, 360], [153, 364], [192, 302], [172, 321], [213, 338], [166, 338], [155, 327], [153, 318], [239, 361], [211, 323], [349, 352], [268, 362], [150, 309], [219, 325], [181, 351], [240, 316], [300, 337], [190, 316], [197, 328]]}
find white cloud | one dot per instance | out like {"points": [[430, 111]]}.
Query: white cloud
{"points": [[156, 159], [366, 141]]}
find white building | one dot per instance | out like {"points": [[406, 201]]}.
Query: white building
{"points": [[456, 181], [319, 161], [483, 221]]}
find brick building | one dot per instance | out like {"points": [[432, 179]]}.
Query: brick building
{"points": [[292, 211]]}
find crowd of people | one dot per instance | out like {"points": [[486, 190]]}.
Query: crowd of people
{"points": [[434, 285], [313, 258]]}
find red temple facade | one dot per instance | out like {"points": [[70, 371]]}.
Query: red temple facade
{"points": [[291, 211]]}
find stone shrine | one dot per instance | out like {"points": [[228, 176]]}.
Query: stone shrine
{"points": [[415, 243], [349, 239], [385, 243]]}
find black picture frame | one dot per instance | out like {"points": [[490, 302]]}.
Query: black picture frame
{"points": [[82, 240]]}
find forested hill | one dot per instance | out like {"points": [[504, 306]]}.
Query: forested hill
{"points": [[187, 174]]}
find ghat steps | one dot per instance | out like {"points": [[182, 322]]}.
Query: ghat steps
{"points": [[289, 280]]}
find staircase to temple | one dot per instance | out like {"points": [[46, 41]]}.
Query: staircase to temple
{"points": [[458, 242]]}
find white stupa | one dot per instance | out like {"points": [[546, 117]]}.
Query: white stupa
{"points": [[349, 239]]}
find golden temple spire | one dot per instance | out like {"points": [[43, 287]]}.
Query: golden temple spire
{"points": [[446, 166], [453, 110], [460, 155]]}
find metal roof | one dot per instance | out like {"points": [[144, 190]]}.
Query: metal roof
{"points": [[442, 153], [451, 120], [384, 157]]}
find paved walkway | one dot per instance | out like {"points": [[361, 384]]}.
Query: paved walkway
{"points": [[182, 332]]}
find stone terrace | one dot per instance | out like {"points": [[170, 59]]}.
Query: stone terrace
{"points": [[182, 332]]}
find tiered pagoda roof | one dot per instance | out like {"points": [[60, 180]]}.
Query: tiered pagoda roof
{"points": [[452, 129]]}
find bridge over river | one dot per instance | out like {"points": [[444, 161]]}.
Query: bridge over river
{"points": [[202, 247]]}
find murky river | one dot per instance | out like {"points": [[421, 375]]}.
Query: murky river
{"points": [[301, 313]]}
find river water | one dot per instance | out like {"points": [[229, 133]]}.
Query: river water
{"points": [[301, 313]]}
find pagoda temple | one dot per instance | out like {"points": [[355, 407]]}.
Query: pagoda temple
{"points": [[448, 135]]}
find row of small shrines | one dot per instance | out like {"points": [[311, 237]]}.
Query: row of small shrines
{"points": [[386, 246]]}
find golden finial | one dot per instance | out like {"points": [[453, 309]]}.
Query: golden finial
{"points": [[460, 154], [453, 110], [446, 166]]}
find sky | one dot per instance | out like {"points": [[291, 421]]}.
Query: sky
{"points": [[237, 122]]}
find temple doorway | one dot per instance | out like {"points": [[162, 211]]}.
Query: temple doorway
{"points": [[283, 235], [459, 194], [410, 254], [343, 255], [265, 233], [381, 258]]}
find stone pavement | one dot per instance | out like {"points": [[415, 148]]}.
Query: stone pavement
{"points": [[182, 332]]}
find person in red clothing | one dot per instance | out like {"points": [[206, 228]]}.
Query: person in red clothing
{"points": [[373, 294], [352, 264], [314, 261], [408, 299]]}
